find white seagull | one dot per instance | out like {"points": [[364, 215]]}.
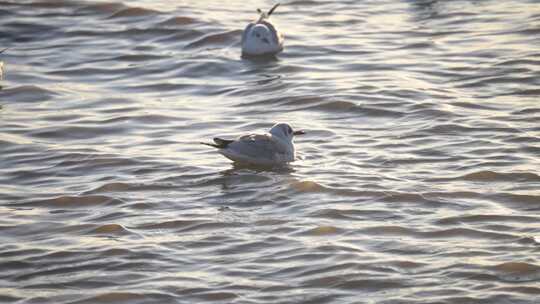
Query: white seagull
{"points": [[261, 37], [273, 148]]}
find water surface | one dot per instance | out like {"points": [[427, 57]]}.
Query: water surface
{"points": [[418, 180]]}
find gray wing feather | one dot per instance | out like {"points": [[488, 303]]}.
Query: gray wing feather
{"points": [[257, 146], [272, 29]]}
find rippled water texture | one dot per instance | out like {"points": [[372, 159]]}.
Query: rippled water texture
{"points": [[418, 180]]}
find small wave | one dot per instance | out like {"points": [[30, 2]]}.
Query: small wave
{"points": [[524, 92], [303, 3], [350, 107], [177, 224], [437, 234], [27, 93], [8, 298], [519, 62], [405, 197], [522, 201], [372, 284], [161, 87], [352, 214], [407, 264], [74, 201], [517, 271], [50, 4], [110, 229], [15, 265], [216, 39], [468, 233], [487, 218], [190, 225], [314, 187], [61, 270], [294, 102], [418, 45], [153, 119], [92, 72], [430, 113], [73, 132], [111, 187], [322, 231], [216, 296], [133, 12], [101, 8], [491, 176], [528, 290], [346, 282], [307, 186], [337, 106], [195, 69], [138, 57], [478, 82], [448, 129], [93, 162], [178, 21], [116, 297], [21, 253], [180, 36], [116, 252], [473, 105], [60, 255]]}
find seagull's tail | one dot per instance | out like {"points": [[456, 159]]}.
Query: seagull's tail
{"points": [[219, 143]]}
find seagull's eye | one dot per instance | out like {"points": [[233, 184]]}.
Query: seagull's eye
{"points": [[289, 130]]}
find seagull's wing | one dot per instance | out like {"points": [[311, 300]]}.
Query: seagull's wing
{"points": [[258, 145], [258, 148], [273, 30]]}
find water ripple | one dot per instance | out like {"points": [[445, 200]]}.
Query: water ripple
{"points": [[416, 181]]}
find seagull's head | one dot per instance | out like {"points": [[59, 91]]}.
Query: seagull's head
{"points": [[284, 131], [262, 34], [260, 39]]}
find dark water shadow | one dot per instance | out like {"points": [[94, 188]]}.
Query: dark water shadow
{"points": [[261, 65], [247, 178], [260, 58], [239, 167], [248, 187]]}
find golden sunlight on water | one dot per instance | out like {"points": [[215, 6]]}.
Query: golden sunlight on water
{"points": [[417, 180]]}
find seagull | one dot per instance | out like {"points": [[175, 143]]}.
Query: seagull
{"points": [[261, 37], [273, 148]]}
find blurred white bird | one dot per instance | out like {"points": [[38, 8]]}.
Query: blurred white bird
{"points": [[273, 148], [261, 37]]}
